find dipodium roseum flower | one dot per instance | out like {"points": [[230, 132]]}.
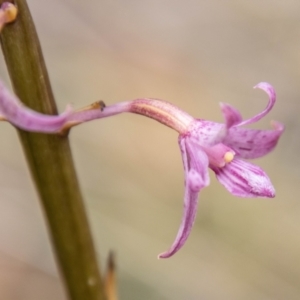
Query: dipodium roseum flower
{"points": [[222, 148], [13, 111], [205, 144]]}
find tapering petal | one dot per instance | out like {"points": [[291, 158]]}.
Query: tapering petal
{"points": [[19, 115], [253, 143], [243, 179], [231, 115], [272, 99], [195, 164]]}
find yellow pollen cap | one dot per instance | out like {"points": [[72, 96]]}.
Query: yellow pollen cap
{"points": [[228, 157]]}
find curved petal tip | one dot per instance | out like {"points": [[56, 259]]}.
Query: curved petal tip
{"points": [[277, 126], [268, 88]]}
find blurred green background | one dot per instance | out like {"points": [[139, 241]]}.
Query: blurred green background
{"points": [[194, 54]]}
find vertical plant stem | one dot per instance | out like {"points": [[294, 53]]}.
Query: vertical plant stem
{"points": [[50, 162]]}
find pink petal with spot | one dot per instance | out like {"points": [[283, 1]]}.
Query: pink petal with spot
{"points": [[253, 143], [207, 133], [243, 179]]}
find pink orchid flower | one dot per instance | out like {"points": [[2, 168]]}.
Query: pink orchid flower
{"points": [[205, 144], [222, 148]]}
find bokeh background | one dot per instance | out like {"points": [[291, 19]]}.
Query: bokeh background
{"points": [[194, 54]]}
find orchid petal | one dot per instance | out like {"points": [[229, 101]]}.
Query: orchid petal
{"points": [[231, 115], [207, 133], [195, 164], [253, 143], [272, 99], [196, 159], [243, 179], [19, 115]]}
